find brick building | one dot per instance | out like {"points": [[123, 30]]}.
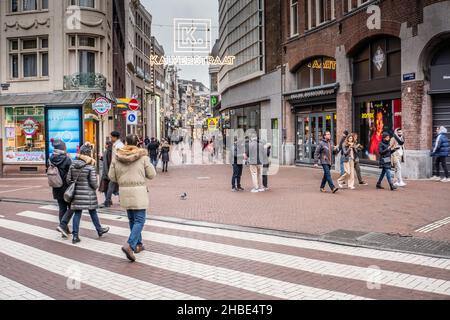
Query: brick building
{"points": [[365, 66]]}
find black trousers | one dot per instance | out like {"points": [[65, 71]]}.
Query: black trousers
{"points": [[265, 177], [441, 161], [237, 174], [63, 207], [165, 166], [65, 219]]}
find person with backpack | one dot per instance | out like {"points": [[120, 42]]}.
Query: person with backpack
{"points": [[58, 168], [441, 149], [82, 174]]}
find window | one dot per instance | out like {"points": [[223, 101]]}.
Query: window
{"points": [[24, 134], [317, 72], [83, 55], [27, 59], [294, 17], [86, 41], [27, 5], [84, 3], [87, 61]]}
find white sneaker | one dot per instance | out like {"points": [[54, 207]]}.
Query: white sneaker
{"points": [[445, 180], [435, 178], [401, 184], [262, 190], [254, 191]]}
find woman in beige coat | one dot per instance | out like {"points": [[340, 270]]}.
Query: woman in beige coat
{"points": [[130, 169]]}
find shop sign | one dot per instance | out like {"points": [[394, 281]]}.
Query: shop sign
{"points": [[101, 106], [311, 94], [409, 76], [379, 58], [12, 156], [29, 126], [5, 86], [327, 64], [214, 101], [64, 124], [368, 115], [212, 123]]}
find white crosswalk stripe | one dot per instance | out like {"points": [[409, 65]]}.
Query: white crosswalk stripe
{"points": [[12, 290], [246, 281], [396, 279], [409, 258], [105, 280]]}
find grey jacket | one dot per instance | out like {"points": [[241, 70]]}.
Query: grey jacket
{"points": [[324, 153], [85, 197]]}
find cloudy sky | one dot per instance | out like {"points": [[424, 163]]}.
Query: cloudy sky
{"points": [[165, 11]]}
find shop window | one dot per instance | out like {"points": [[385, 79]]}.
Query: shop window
{"points": [[372, 120], [24, 135], [316, 73]]}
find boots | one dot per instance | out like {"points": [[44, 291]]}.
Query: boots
{"points": [[393, 188], [76, 239], [103, 231], [380, 187]]}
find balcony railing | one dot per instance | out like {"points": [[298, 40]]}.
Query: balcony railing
{"points": [[85, 81]]}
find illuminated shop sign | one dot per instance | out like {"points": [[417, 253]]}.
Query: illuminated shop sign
{"points": [[191, 61], [327, 64]]}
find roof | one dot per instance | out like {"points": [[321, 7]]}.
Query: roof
{"points": [[54, 98]]}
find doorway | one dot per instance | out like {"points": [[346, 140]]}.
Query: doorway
{"points": [[310, 128]]}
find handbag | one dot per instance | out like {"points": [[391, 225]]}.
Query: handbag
{"points": [[70, 192], [387, 160]]}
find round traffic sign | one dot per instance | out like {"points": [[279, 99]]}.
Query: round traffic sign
{"points": [[132, 118], [101, 106], [133, 105]]}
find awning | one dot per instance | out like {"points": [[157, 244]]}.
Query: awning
{"points": [[52, 99]]}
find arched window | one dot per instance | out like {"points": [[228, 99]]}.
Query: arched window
{"points": [[316, 72]]}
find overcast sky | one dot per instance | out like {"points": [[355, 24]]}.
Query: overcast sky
{"points": [[165, 11]]}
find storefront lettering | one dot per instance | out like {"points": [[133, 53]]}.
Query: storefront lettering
{"points": [[367, 116], [310, 94], [327, 65]]}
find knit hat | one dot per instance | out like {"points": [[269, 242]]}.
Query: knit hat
{"points": [[59, 145], [86, 149]]}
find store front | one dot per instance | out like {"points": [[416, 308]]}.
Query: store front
{"points": [[248, 118], [377, 106], [440, 88], [314, 104]]}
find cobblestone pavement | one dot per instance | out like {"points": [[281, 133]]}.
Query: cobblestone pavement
{"points": [[294, 202], [186, 262]]}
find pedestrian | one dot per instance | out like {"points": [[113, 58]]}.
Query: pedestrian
{"points": [[107, 158], [131, 170], [113, 188], [385, 150], [83, 173], [153, 148], [164, 155], [324, 155], [441, 152], [266, 165], [358, 172], [348, 153], [237, 162], [398, 157], [146, 141], [342, 157], [62, 162], [255, 156]]}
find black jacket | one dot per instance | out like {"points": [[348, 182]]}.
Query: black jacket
{"points": [[107, 158], [85, 197], [152, 148], [385, 154], [63, 163]]}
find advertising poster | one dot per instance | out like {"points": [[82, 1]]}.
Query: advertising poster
{"points": [[64, 124]]}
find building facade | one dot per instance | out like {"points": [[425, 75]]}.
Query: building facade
{"points": [[157, 84], [55, 59], [250, 90], [368, 67]]}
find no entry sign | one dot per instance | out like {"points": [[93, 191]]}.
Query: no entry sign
{"points": [[133, 105]]}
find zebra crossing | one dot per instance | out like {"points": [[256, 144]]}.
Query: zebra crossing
{"points": [[186, 262]]}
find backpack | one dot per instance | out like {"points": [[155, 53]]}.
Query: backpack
{"points": [[54, 177]]}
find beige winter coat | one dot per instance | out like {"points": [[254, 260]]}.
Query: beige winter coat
{"points": [[130, 170]]}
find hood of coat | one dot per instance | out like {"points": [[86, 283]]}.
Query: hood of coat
{"points": [[130, 154], [58, 159], [83, 160], [442, 130]]}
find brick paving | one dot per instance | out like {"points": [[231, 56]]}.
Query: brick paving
{"points": [[188, 262], [292, 204]]}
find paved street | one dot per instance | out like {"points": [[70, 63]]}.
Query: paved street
{"points": [[184, 261], [188, 262]]}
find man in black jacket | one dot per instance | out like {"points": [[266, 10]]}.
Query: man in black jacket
{"points": [[237, 161], [153, 148], [386, 161]]}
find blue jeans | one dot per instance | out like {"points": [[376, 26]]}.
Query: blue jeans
{"points": [[327, 177], [342, 165], [137, 221], [77, 219], [154, 161], [386, 172]]}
